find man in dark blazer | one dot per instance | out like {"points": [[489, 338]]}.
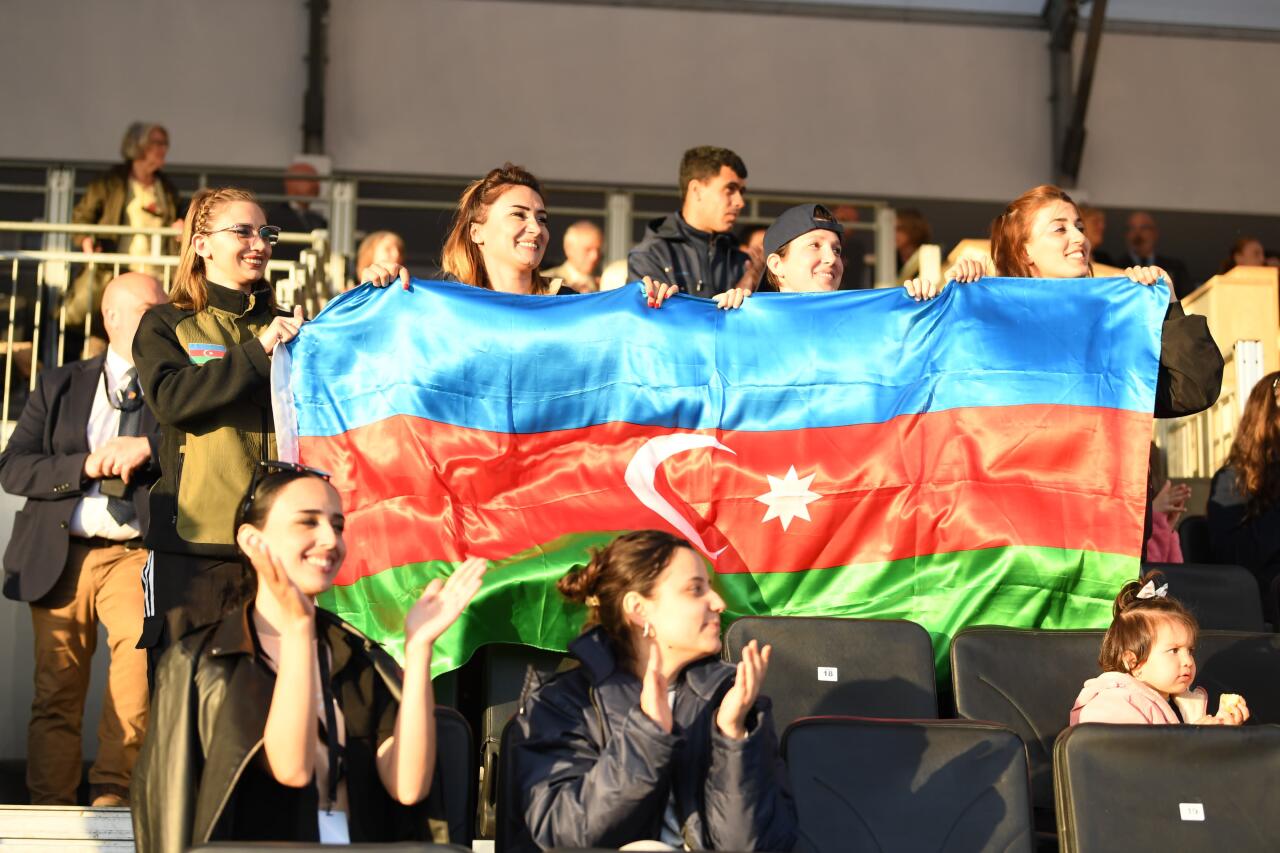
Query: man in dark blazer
{"points": [[83, 454], [1141, 239]]}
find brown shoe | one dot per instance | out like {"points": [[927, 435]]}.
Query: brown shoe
{"points": [[109, 796], [110, 801]]}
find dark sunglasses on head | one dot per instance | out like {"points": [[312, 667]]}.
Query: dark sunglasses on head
{"points": [[270, 234], [265, 469]]}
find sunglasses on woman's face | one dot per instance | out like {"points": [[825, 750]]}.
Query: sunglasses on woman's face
{"points": [[270, 234], [265, 469]]}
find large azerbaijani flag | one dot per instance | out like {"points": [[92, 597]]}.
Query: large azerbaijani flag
{"points": [[977, 459]]}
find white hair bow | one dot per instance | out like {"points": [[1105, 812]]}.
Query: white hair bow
{"points": [[1150, 591]]}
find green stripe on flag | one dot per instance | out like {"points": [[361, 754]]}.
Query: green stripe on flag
{"points": [[1022, 587]]}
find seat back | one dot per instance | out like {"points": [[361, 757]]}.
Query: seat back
{"points": [[1223, 598], [1025, 680], [1193, 536], [1194, 789], [1244, 663], [939, 785], [455, 775], [852, 667], [503, 670], [511, 835]]}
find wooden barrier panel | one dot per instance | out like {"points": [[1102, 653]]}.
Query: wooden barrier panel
{"points": [[1243, 311]]}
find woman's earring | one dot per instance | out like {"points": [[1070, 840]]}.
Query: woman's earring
{"points": [[648, 631]]}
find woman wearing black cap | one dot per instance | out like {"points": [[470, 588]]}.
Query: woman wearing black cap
{"points": [[803, 251]]}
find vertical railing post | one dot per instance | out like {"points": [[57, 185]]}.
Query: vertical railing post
{"points": [[886, 249], [617, 225], [342, 232]]}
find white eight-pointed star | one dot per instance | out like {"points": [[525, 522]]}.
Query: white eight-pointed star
{"points": [[788, 498]]}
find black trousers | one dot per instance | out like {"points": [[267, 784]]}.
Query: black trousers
{"points": [[184, 592]]}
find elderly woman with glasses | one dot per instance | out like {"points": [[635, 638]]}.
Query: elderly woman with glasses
{"points": [[281, 722]]}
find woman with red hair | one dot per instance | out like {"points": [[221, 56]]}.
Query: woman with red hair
{"points": [[1041, 235]]}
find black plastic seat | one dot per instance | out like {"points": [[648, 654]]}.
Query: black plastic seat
{"points": [[1026, 680], [937, 785], [503, 670], [1194, 789], [1223, 598], [1244, 663], [848, 667], [1193, 537]]}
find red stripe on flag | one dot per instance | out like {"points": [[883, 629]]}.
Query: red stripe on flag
{"points": [[958, 480]]}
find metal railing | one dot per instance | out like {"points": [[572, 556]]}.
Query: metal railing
{"points": [[39, 334], [622, 209]]}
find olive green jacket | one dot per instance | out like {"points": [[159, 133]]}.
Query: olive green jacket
{"points": [[207, 379]]}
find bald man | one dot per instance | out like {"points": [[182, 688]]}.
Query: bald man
{"points": [[583, 242], [83, 454]]}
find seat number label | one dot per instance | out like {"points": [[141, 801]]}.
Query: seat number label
{"points": [[1191, 811], [828, 673]]}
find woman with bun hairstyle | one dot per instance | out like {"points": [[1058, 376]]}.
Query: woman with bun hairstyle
{"points": [[1149, 666], [1041, 235], [1244, 499], [652, 737], [281, 722]]}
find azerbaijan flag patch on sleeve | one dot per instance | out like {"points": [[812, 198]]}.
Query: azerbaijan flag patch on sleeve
{"points": [[200, 353]]}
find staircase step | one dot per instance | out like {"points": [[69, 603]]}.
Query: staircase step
{"points": [[70, 828]]}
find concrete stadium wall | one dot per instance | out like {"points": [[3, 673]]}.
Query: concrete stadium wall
{"points": [[611, 93]]}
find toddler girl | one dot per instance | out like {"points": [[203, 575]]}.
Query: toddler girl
{"points": [[1148, 666]]}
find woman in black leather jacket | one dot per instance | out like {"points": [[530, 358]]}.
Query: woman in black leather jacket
{"points": [[652, 737], [241, 746]]}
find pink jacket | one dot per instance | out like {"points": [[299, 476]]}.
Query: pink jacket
{"points": [[1117, 697], [1164, 546]]}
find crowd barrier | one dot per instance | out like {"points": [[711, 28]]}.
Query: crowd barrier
{"points": [[44, 297], [357, 202]]}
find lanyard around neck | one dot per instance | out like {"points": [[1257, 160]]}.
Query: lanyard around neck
{"points": [[332, 741]]}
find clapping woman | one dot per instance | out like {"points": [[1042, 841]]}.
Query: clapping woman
{"points": [[281, 721], [653, 737]]}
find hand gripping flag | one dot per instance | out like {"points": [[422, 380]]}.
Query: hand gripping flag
{"points": [[977, 459]]}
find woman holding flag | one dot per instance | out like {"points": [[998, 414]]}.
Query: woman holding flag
{"points": [[499, 237], [1041, 235]]}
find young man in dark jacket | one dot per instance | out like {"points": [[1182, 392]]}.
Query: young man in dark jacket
{"points": [[694, 249]]}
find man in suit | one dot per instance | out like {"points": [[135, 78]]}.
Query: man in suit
{"points": [[1141, 239], [83, 454], [296, 214]]}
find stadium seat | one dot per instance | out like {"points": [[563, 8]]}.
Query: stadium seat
{"points": [[1194, 789], [937, 785], [1026, 680], [1244, 663], [455, 776], [849, 667], [510, 832], [503, 670], [1193, 536], [1223, 598], [445, 689]]}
